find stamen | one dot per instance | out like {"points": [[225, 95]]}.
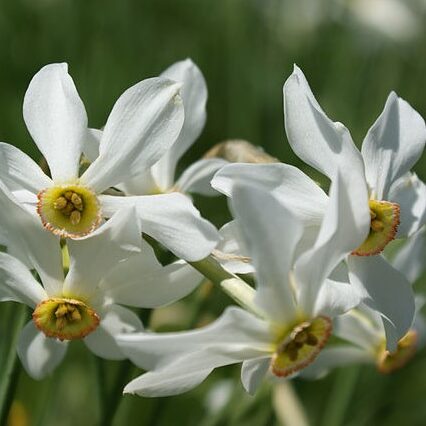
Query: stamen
{"points": [[65, 319], [301, 346]]}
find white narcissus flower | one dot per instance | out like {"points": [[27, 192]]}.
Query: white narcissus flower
{"points": [[361, 329], [143, 124], [290, 311], [392, 146], [108, 268], [160, 178]]}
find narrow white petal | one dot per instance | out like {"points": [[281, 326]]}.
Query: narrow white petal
{"points": [[56, 119], [234, 332], [147, 284], [17, 282], [316, 139], [385, 290], [252, 373], [94, 256], [143, 124], [295, 190], [40, 355], [410, 193], [194, 97], [339, 236], [393, 145], [172, 220], [196, 178], [359, 327], [270, 233], [335, 298], [168, 382], [30, 242], [410, 259], [18, 171], [114, 321]]}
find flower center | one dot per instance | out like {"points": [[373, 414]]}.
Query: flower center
{"points": [[69, 211], [383, 227], [65, 319], [301, 346], [388, 362]]}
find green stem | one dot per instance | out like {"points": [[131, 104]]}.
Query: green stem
{"points": [[232, 285], [288, 407], [11, 367], [340, 396]]}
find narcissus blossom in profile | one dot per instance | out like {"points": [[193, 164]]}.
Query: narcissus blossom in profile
{"points": [[143, 124], [107, 269], [288, 318]]}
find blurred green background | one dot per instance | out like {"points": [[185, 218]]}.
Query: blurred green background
{"points": [[246, 50]]}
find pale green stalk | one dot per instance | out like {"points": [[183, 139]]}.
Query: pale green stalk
{"points": [[11, 367]]}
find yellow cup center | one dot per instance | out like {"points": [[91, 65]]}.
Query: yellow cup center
{"points": [[300, 346], [69, 211], [65, 319], [384, 221]]}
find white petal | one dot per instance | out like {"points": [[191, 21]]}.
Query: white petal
{"points": [[114, 321], [253, 372], [270, 233], [231, 253], [335, 357], [335, 298], [56, 119], [194, 97], [385, 290], [91, 144], [172, 220], [393, 145], [143, 124], [168, 382], [234, 333], [17, 282], [18, 171], [196, 178], [147, 284], [316, 139], [359, 328], [410, 260], [183, 360], [142, 184], [27, 238], [339, 235], [296, 191], [40, 355], [93, 257], [410, 193]]}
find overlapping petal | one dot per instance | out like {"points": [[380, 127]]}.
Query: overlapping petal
{"points": [[194, 97], [270, 233], [40, 355], [172, 220], [143, 124], [393, 145]]}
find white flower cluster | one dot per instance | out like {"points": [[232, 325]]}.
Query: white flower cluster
{"points": [[75, 247]]}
